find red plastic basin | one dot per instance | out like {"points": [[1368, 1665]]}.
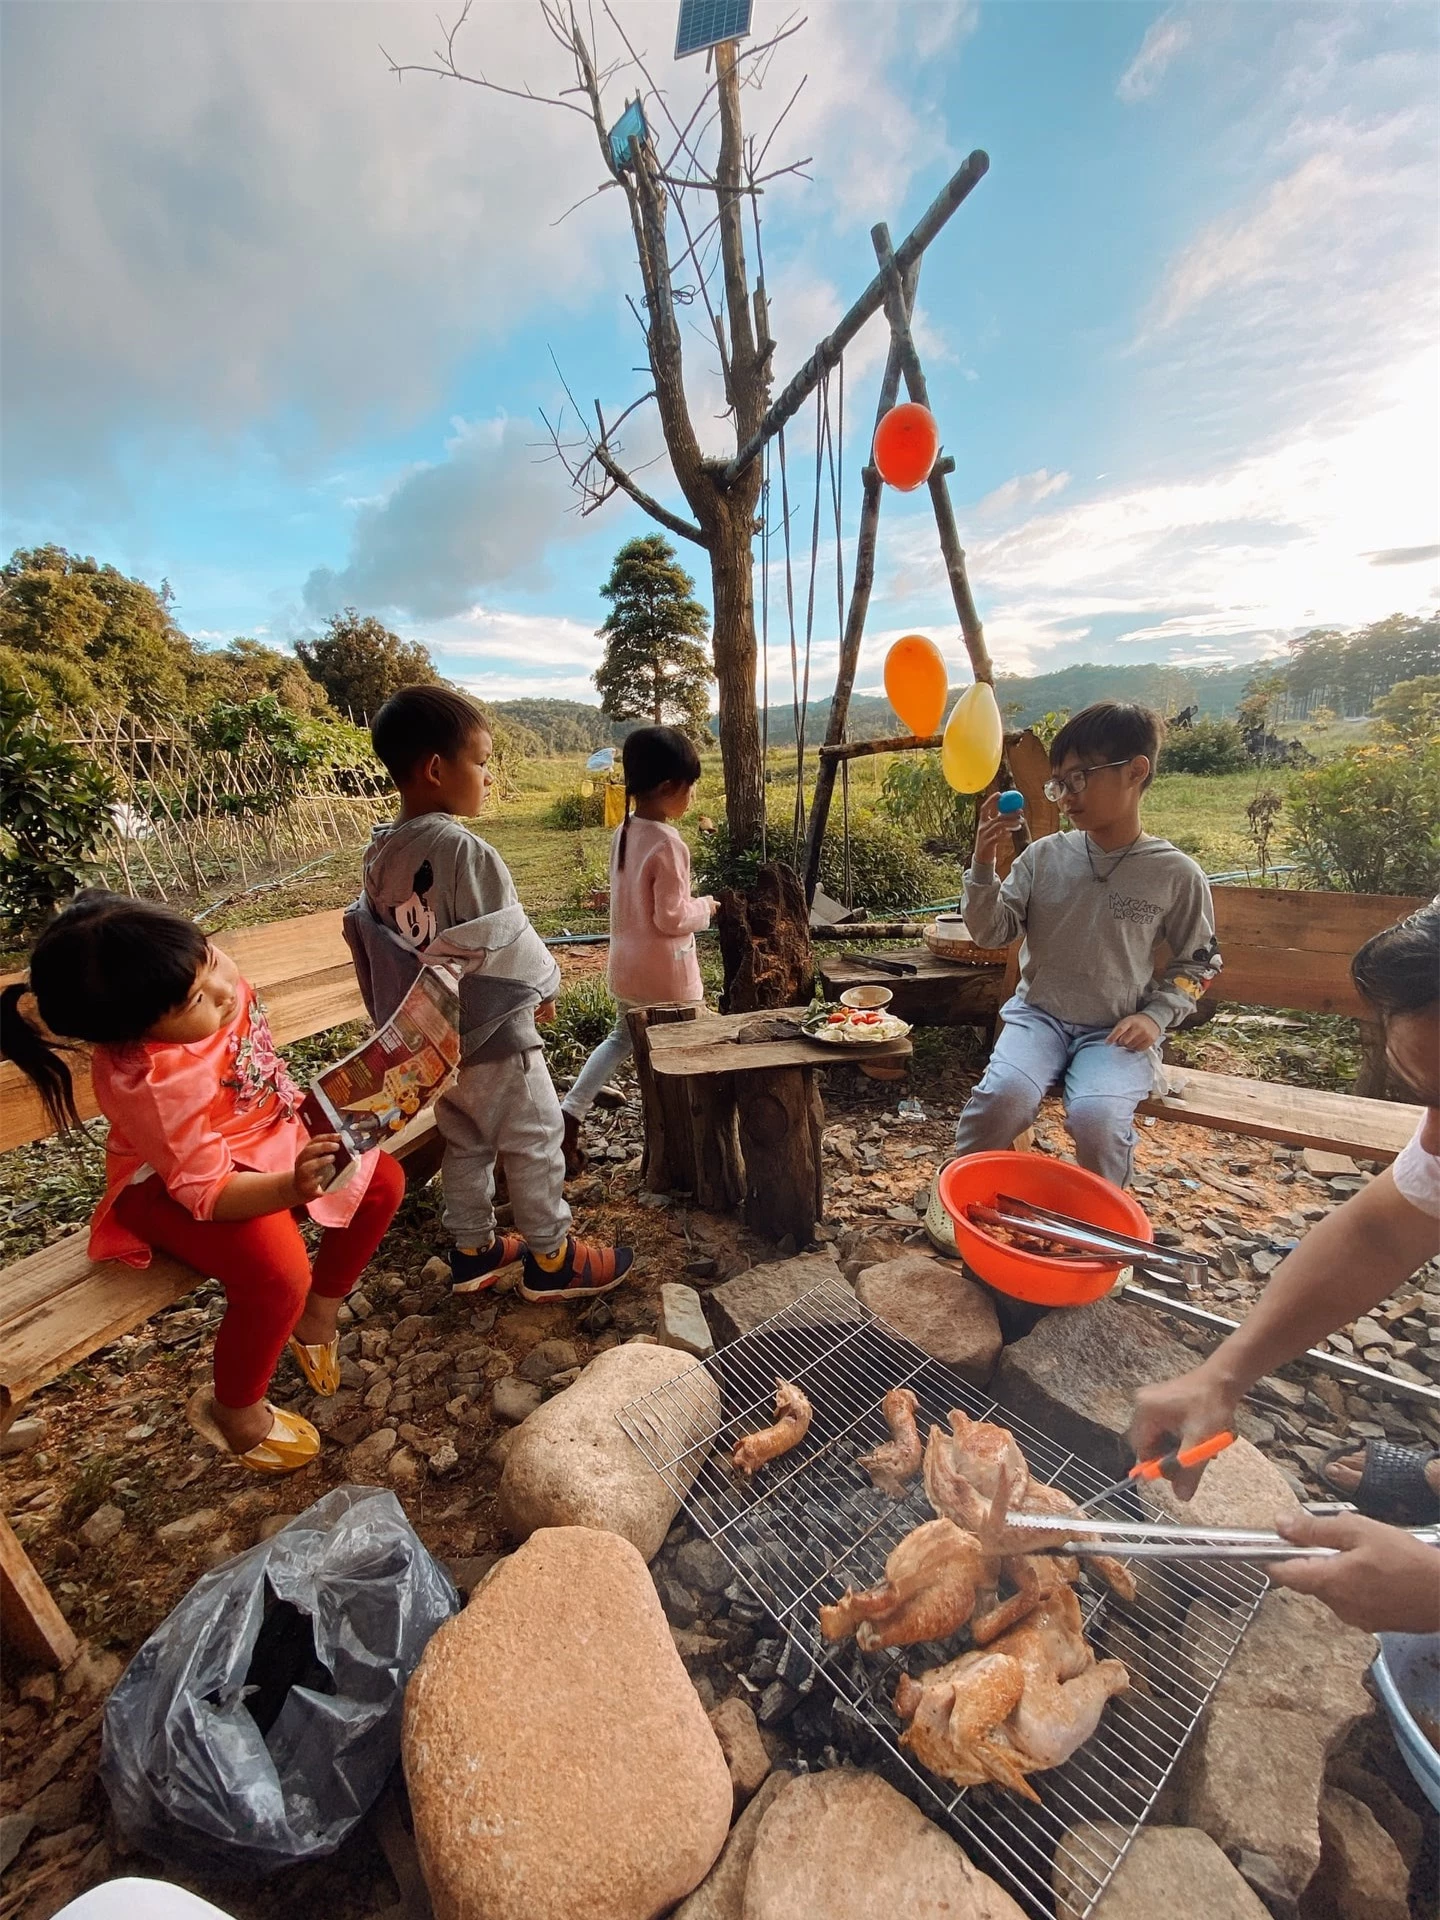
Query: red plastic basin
{"points": [[1056, 1184]]}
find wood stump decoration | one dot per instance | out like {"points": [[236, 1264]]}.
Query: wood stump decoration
{"points": [[692, 1142], [765, 943]]}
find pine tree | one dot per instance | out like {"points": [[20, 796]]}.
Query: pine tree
{"points": [[657, 665]]}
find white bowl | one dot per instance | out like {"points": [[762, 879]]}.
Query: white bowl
{"points": [[866, 999]]}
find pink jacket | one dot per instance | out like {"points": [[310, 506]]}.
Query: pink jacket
{"points": [[654, 918], [196, 1112]]}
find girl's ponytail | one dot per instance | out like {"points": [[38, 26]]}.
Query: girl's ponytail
{"points": [[23, 1043], [624, 828]]}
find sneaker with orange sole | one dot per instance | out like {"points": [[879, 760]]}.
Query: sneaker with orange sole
{"points": [[583, 1272], [478, 1272]]}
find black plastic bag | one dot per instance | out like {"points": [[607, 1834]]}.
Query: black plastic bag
{"points": [[260, 1720]]}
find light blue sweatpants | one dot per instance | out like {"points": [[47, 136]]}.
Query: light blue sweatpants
{"points": [[1102, 1085]]}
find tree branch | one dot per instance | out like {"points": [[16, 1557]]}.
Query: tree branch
{"points": [[603, 458]]}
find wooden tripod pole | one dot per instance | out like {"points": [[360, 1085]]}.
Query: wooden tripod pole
{"points": [[860, 585], [954, 554]]}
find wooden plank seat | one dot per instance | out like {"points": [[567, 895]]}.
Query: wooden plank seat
{"points": [[58, 1308], [727, 1119], [1303, 1116]]}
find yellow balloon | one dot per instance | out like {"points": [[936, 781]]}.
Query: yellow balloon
{"points": [[587, 787], [974, 740], [916, 682]]}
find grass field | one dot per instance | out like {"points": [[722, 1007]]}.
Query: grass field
{"points": [[555, 869]]}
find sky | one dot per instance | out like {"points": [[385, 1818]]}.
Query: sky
{"points": [[283, 329]]}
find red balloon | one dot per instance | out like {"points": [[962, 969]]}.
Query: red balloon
{"points": [[907, 441]]}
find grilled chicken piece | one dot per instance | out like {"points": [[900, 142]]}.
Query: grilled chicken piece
{"points": [[1026, 1703], [933, 1578], [793, 1414], [981, 1451], [984, 1513], [895, 1463]]}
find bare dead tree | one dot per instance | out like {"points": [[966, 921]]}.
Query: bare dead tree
{"points": [[667, 188]]}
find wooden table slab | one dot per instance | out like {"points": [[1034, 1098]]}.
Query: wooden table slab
{"points": [[1303, 1116], [726, 1119], [709, 1044], [940, 993]]}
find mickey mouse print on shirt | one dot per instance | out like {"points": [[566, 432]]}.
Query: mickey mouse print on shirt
{"points": [[414, 921]]}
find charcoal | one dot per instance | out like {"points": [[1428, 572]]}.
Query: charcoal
{"points": [[796, 1666], [811, 1722], [777, 1703], [763, 1667]]}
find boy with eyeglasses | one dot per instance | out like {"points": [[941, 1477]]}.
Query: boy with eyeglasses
{"points": [[1089, 1011]]}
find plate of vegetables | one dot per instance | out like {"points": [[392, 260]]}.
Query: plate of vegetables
{"points": [[854, 1026]]}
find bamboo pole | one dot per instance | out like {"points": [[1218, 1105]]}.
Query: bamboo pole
{"points": [[861, 749], [827, 354], [892, 274]]}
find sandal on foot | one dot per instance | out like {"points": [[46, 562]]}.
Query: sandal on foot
{"points": [[583, 1272], [1392, 1484], [475, 1272], [291, 1443], [320, 1363]]}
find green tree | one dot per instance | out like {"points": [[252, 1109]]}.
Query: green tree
{"points": [[54, 806], [248, 670], [1411, 709], [1209, 746], [360, 663], [1265, 692], [78, 634], [657, 666]]}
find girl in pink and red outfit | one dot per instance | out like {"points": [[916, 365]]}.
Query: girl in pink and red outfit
{"points": [[654, 917], [207, 1159]]}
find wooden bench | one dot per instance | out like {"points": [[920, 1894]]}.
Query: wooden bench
{"points": [[729, 1120], [1282, 949]]}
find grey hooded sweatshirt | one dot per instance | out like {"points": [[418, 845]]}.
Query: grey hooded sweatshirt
{"points": [[435, 892]]}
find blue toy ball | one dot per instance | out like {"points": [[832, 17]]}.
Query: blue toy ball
{"points": [[1011, 801]]}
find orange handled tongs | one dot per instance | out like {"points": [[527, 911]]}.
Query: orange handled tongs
{"points": [[1163, 1468]]}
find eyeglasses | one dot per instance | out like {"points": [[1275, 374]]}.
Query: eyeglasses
{"points": [[1074, 784]]}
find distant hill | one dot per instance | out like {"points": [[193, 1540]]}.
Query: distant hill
{"points": [[1026, 698], [565, 726], [570, 726]]}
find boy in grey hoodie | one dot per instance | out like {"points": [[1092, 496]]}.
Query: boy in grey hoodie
{"points": [[1089, 1011], [434, 891]]}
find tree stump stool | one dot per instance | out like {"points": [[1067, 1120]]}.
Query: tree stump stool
{"points": [[729, 1120]]}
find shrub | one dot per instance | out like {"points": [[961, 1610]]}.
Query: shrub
{"points": [[584, 1014], [573, 812], [1411, 709], [917, 796], [888, 869], [54, 807], [1210, 746], [1369, 821]]}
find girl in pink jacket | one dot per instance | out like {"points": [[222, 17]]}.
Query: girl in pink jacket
{"points": [[654, 917]]}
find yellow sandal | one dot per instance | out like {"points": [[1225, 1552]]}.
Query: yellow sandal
{"points": [[291, 1443], [319, 1364]]}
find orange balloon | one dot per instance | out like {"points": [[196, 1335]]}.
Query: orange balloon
{"points": [[907, 441], [916, 683]]}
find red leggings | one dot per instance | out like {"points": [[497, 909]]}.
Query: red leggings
{"points": [[264, 1267]]}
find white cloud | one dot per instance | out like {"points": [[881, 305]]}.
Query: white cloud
{"points": [[1166, 38], [1225, 564], [1023, 490], [488, 512]]}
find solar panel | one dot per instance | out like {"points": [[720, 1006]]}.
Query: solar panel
{"points": [[705, 23]]}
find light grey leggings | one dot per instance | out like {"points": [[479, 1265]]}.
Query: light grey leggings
{"points": [[604, 1063]]}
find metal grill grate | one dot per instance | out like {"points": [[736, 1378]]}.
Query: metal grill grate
{"points": [[811, 1524]]}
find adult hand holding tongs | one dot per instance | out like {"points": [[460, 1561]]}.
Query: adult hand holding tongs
{"points": [[1087, 1536]]}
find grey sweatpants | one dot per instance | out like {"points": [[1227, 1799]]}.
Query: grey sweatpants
{"points": [[505, 1108]]}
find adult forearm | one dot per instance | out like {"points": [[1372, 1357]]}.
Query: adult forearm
{"points": [[1346, 1265]]}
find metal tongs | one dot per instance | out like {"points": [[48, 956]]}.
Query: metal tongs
{"points": [[1167, 1265], [1162, 1540]]}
